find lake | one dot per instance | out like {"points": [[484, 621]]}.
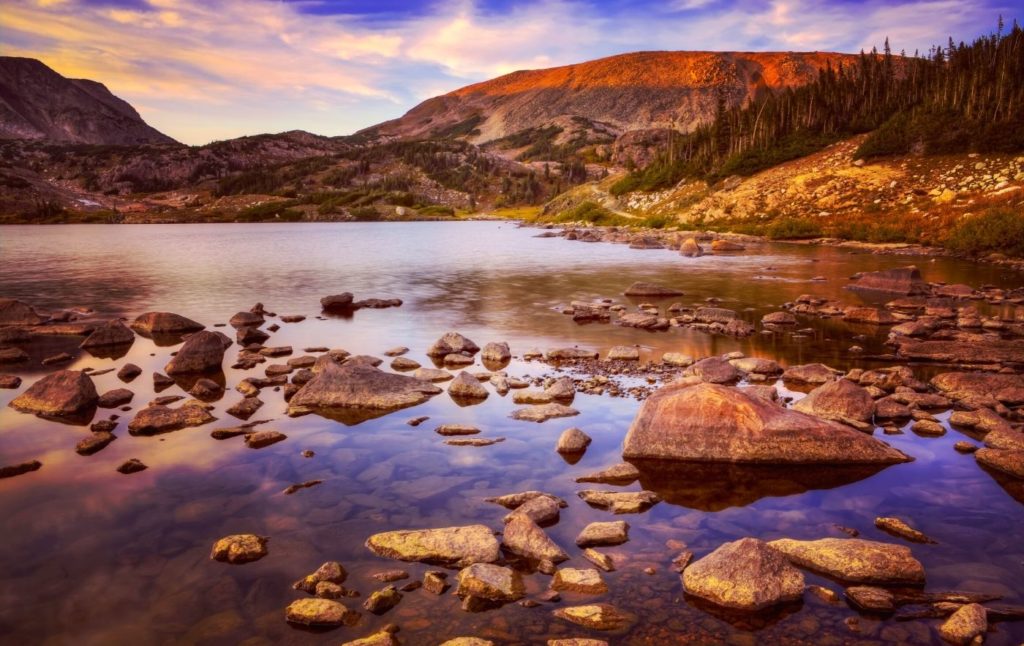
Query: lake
{"points": [[95, 557]]}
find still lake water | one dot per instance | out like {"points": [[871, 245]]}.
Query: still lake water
{"points": [[91, 556]]}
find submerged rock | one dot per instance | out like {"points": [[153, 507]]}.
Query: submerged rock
{"points": [[744, 575], [902, 529], [598, 616], [355, 386], [587, 581], [871, 599], [239, 548], [963, 626], [490, 582], [543, 412], [712, 423], [449, 546], [620, 502], [855, 560], [64, 393], [620, 474]]}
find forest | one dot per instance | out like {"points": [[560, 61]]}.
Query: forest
{"points": [[953, 99]]}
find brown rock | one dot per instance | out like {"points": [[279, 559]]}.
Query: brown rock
{"points": [[587, 581], [811, 373], [543, 412], [319, 612], [94, 443], [598, 616], [651, 290], [690, 248], [1004, 388], [964, 625], [359, 388], [900, 528], [133, 465], [620, 474], [128, 372], [871, 599], [708, 422], [840, 400], [573, 440], [855, 560], [714, 370], [113, 333], [115, 398], [541, 510], [452, 343], [525, 538], [260, 439], [20, 469], [64, 393], [745, 575], [465, 386], [329, 571], [905, 281], [239, 548], [620, 502], [490, 582], [603, 533], [202, 352], [13, 312], [449, 546], [380, 601], [10, 381], [158, 323], [1008, 461], [157, 418]]}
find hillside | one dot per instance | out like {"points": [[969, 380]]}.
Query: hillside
{"points": [[609, 96], [37, 103]]}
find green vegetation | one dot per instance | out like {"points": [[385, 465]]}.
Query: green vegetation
{"points": [[999, 230], [966, 97], [467, 127], [593, 213], [793, 229]]}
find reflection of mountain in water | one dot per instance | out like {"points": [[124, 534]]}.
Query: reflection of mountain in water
{"points": [[718, 486]]}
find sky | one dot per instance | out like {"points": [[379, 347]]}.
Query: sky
{"points": [[203, 70]]}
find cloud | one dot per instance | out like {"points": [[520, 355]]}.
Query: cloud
{"points": [[203, 69]]}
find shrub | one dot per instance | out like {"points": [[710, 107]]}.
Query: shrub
{"points": [[999, 230], [794, 229]]}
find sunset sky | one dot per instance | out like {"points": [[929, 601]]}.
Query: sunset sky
{"points": [[201, 70]]}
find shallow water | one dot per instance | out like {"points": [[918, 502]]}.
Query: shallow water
{"points": [[91, 556]]}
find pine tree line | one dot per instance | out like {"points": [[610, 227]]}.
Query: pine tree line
{"points": [[960, 98]]}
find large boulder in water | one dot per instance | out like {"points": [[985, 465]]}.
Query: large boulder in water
{"points": [[744, 575], [112, 333], [164, 323], [359, 387], [712, 423], [840, 400], [202, 352], [337, 302], [906, 281], [65, 393], [14, 312]]}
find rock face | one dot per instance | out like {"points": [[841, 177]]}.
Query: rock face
{"points": [[14, 312], [449, 546], [490, 582], [855, 560], [651, 290], [64, 393], [111, 334], [41, 104], [711, 423], [158, 323], [905, 281], [452, 343], [202, 352], [840, 400], [239, 548], [745, 575], [359, 387]]}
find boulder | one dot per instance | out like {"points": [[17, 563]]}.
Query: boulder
{"points": [[239, 548], [965, 625], [1008, 461], [490, 582], [542, 509], [319, 612], [114, 398], [905, 281], [250, 335], [855, 560], [113, 333], [164, 323], [712, 423], [380, 601], [448, 546], [337, 303], [722, 246], [452, 343], [14, 312], [778, 318], [744, 575], [523, 537], [65, 393], [624, 353], [496, 353], [690, 248], [597, 616], [202, 352], [651, 290], [573, 440], [1004, 388], [579, 581], [714, 370], [840, 400], [359, 387], [466, 386], [620, 502], [603, 533]]}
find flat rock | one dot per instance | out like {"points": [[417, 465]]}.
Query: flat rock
{"points": [[900, 528], [523, 537], [157, 418], [905, 281], [403, 364], [201, 352], [94, 443], [583, 581], [541, 510], [239, 548], [380, 638], [652, 290], [260, 439], [114, 398], [1004, 388], [432, 374], [598, 616], [474, 441], [855, 560], [516, 500], [355, 386], [677, 359], [570, 354], [448, 546], [620, 474], [543, 412], [871, 599], [713, 423], [744, 575], [1008, 461], [112, 333], [490, 582], [157, 323], [603, 533], [64, 393], [599, 559], [456, 429], [620, 502], [811, 373]]}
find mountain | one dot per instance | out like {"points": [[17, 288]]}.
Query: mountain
{"points": [[38, 103], [609, 96]]}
